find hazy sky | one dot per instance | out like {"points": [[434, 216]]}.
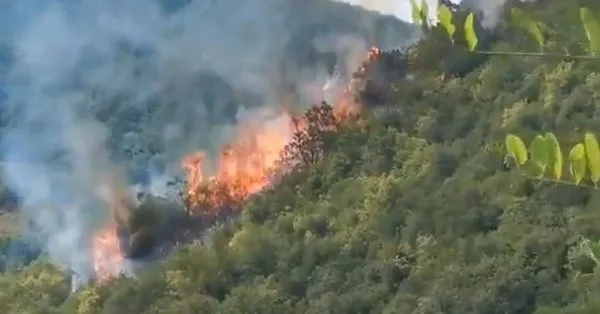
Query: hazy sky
{"points": [[400, 8]]}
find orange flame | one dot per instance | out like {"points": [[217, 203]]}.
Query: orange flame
{"points": [[245, 167], [107, 256]]}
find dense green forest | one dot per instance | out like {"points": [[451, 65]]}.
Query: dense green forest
{"points": [[412, 208]]}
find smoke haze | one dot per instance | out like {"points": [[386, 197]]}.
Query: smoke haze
{"points": [[490, 9], [98, 86]]}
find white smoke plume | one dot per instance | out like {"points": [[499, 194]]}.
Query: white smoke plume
{"points": [[491, 10], [67, 69]]}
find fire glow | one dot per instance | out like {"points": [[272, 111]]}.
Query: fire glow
{"points": [[107, 257], [244, 168]]}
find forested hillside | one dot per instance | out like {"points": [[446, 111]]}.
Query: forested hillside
{"points": [[410, 206]]}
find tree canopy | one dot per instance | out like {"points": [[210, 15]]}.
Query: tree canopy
{"points": [[412, 207]]}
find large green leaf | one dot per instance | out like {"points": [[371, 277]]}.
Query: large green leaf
{"points": [[470, 34], [593, 156], [416, 12], [592, 29], [424, 12], [522, 20], [556, 156], [577, 163], [516, 148], [445, 19], [540, 154]]}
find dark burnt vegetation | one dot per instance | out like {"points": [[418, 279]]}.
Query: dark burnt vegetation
{"points": [[160, 223]]}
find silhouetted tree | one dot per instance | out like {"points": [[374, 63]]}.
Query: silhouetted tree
{"points": [[313, 136]]}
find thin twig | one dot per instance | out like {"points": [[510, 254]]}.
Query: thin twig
{"points": [[563, 182], [537, 54]]}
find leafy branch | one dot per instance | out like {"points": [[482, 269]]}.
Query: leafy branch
{"points": [[420, 13], [518, 18], [544, 155], [543, 160]]}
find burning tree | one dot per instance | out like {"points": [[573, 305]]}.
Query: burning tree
{"points": [[265, 150], [244, 167], [313, 136], [261, 152], [251, 163]]}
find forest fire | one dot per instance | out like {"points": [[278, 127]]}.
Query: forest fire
{"points": [[107, 257], [245, 167]]}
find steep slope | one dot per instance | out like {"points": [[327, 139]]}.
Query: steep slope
{"points": [[215, 58], [137, 86], [411, 210]]}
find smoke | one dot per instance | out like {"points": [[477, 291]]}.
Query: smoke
{"points": [[96, 87], [491, 10]]}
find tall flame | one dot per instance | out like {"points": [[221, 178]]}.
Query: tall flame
{"points": [[244, 168], [246, 165], [107, 256]]}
